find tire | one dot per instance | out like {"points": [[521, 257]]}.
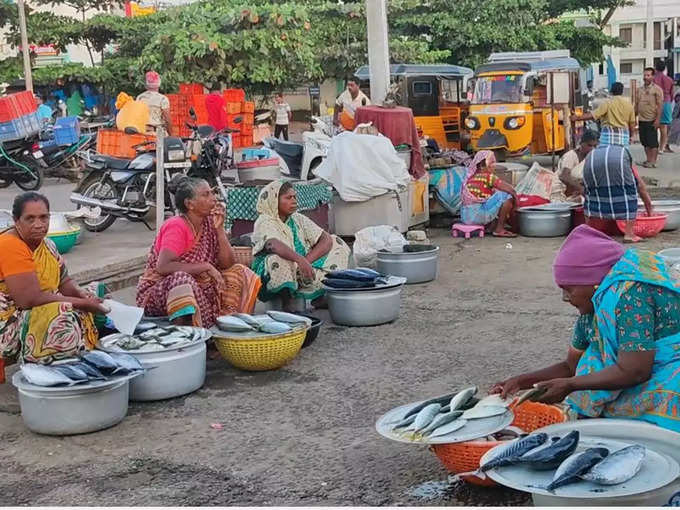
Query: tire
{"points": [[90, 189], [5, 183], [313, 166], [33, 183]]}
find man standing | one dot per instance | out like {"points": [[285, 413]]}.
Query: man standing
{"points": [[616, 116], [282, 117], [347, 104], [649, 106], [666, 85], [44, 111], [159, 105]]}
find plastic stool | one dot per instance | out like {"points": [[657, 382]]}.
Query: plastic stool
{"points": [[466, 229]]}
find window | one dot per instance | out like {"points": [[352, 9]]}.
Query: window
{"points": [[500, 88], [422, 88], [626, 34], [626, 68], [657, 36], [600, 69]]}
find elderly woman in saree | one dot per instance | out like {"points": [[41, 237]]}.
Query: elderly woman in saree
{"points": [[624, 360], [292, 253], [487, 199], [190, 274], [44, 314]]}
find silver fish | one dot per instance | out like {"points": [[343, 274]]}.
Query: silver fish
{"points": [[275, 327], [287, 317], [92, 373], [40, 375], [405, 422], [575, 465], [449, 427], [478, 412], [548, 443], [231, 323], [101, 361], [531, 394], [618, 467], [508, 454], [440, 420], [493, 400], [552, 456], [126, 362], [425, 416], [73, 373], [462, 397], [248, 319]]}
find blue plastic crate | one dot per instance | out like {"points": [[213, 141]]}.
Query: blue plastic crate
{"points": [[67, 130], [250, 154], [47, 143], [12, 130], [34, 121]]}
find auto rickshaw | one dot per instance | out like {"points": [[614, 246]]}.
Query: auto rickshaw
{"points": [[437, 94], [522, 103]]}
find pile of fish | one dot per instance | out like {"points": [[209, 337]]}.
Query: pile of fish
{"points": [[443, 415], [157, 338], [540, 452], [354, 279], [92, 366], [274, 323]]}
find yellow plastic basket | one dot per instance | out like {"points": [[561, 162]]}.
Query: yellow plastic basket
{"points": [[262, 353]]}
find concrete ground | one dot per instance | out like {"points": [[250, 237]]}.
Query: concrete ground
{"points": [[304, 434]]}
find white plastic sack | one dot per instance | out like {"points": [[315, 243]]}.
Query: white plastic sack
{"points": [[361, 167], [538, 181], [368, 241]]}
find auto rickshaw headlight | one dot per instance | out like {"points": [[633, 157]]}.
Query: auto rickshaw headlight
{"points": [[514, 122], [471, 123]]}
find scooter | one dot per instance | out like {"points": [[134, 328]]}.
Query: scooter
{"points": [[302, 158]]}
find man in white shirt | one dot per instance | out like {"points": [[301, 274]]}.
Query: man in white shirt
{"points": [[159, 105], [282, 117], [347, 104]]}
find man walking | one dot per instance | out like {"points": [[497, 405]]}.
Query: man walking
{"points": [[648, 107], [666, 84], [616, 116], [282, 117]]}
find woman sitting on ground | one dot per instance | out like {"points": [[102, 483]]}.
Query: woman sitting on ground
{"points": [[190, 275], [44, 314], [292, 253], [487, 199], [623, 360]]}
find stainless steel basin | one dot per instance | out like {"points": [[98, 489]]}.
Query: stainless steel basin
{"points": [[543, 223], [369, 307], [669, 207], [416, 267]]}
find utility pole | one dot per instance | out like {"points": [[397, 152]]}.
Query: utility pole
{"points": [[160, 179], [378, 50], [28, 77]]}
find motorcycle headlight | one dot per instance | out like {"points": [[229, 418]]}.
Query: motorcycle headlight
{"points": [[175, 155], [471, 123], [514, 122]]}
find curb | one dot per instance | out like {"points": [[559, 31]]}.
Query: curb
{"points": [[115, 276]]}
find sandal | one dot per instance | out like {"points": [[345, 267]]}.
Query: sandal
{"points": [[504, 233], [634, 240]]}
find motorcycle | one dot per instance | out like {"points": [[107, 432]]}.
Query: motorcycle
{"points": [[124, 188], [57, 159], [18, 164], [302, 158]]}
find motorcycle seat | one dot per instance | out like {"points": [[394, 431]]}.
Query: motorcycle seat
{"points": [[111, 162]]}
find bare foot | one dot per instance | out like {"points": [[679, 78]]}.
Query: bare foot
{"points": [[503, 233], [632, 240]]}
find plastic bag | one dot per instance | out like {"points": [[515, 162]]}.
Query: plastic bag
{"points": [[368, 241], [131, 113], [538, 182]]}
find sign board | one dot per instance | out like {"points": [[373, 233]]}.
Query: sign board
{"points": [[314, 91]]}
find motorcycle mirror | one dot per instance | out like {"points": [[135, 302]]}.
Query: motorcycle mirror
{"points": [[192, 113], [238, 120], [131, 130]]}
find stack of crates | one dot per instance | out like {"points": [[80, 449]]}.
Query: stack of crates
{"points": [[113, 142], [179, 114], [237, 106], [18, 116], [66, 130]]}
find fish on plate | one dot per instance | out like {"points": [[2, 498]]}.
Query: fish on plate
{"points": [[72, 372], [231, 323], [101, 361], [552, 456], [41, 375], [619, 467], [575, 465], [127, 362], [289, 318], [448, 428], [247, 318], [92, 373], [479, 412], [275, 327], [440, 420], [425, 416]]}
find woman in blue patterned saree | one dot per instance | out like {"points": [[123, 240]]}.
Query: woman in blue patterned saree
{"points": [[624, 361]]}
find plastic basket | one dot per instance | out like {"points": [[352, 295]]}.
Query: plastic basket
{"points": [[233, 108], [263, 353], [248, 119], [67, 130], [13, 130], [108, 141], [236, 141], [8, 109], [243, 255], [191, 88], [464, 457], [645, 226], [246, 140], [248, 107], [234, 95]]}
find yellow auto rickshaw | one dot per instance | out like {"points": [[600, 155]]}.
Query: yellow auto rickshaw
{"points": [[522, 102], [437, 94]]}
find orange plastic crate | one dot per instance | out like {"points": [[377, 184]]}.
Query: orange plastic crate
{"points": [[246, 130], [233, 108], [234, 95], [236, 140], [248, 107], [191, 88], [248, 119], [108, 141], [127, 142], [247, 140]]}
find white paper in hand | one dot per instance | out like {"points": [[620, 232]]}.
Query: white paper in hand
{"points": [[124, 317]]}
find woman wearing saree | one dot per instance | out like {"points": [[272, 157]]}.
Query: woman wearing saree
{"points": [[624, 359], [292, 253], [190, 275], [44, 314]]}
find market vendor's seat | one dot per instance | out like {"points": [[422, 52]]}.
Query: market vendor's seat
{"points": [[111, 162], [466, 229]]}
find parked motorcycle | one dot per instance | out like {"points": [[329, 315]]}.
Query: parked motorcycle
{"points": [[302, 158], [124, 188], [19, 165], [56, 159]]}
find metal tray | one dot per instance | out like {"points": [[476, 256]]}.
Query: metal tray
{"points": [[252, 335], [657, 471]]}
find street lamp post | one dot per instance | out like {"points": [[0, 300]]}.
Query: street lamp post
{"points": [[28, 77]]}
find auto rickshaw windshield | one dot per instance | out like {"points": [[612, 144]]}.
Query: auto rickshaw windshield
{"points": [[500, 88]]}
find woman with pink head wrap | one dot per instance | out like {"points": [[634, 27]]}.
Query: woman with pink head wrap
{"points": [[159, 105], [624, 357]]}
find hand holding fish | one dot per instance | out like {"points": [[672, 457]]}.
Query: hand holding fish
{"points": [[556, 390], [507, 388]]}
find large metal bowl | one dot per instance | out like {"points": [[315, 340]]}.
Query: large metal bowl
{"points": [[543, 223], [365, 307], [415, 266], [62, 411], [669, 207]]}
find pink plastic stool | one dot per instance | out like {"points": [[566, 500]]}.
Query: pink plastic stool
{"points": [[466, 229]]}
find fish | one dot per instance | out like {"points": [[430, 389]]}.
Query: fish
{"points": [[370, 272], [620, 466], [552, 456], [493, 400], [346, 283], [437, 400], [289, 318], [126, 362], [425, 416], [575, 465], [405, 422], [531, 394], [449, 427], [441, 420], [101, 361], [478, 412], [130, 343], [42, 375], [275, 327], [510, 453], [548, 443], [73, 373], [248, 319], [352, 274], [462, 397], [92, 373], [231, 323]]}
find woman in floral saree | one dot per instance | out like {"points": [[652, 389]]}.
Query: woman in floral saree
{"points": [[44, 315], [190, 275], [624, 361]]}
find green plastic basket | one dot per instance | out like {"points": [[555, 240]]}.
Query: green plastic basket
{"points": [[64, 241]]}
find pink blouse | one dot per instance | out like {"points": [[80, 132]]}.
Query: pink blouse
{"points": [[175, 235]]}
